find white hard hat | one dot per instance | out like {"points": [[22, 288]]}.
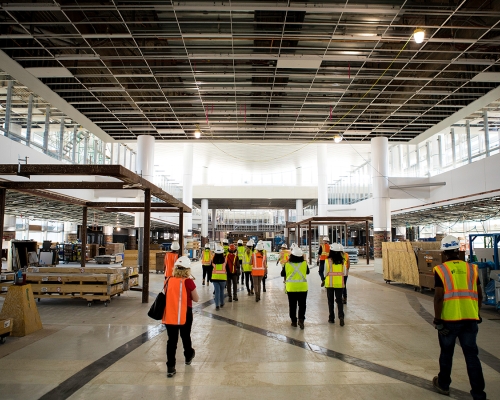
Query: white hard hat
{"points": [[293, 246], [341, 247], [240, 241], [284, 246], [207, 245], [450, 243], [326, 239], [260, 241], [336, 247], [225, 241], [175, 246], [249, 243], [219, 250], [182, 262], [297, 251], [260, 246]]}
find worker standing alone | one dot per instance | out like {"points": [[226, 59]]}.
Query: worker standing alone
{"points": [[259, 268], [170, 259], [457, 302], [206, 264], [241, 251], [335, 267], [294, 271], [219, 276], [323, 251], [233, 273]]}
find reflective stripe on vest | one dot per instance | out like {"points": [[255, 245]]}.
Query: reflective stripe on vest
{"points": [[206, 257], [226, 249], [176, 302], [247, 262], [241, 251], [258, 268], [170, 259], [219, 272], [231, 263], [284, 256], [325, 251], [334, 274], [296, 280], [460, 290]]}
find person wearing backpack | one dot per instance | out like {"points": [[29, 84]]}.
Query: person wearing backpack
{"points": [[294, 271], [178, 314], [219, 276]]}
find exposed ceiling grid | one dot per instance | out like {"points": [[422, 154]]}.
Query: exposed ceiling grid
{"points": [[172, 66]]}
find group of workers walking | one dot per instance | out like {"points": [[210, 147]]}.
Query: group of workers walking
{"points": [[457, 301]]}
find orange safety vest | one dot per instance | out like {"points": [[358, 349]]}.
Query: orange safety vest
{"points": [[325, 251], [176, 302], [258, 264], [231, 263], [170, 259]]}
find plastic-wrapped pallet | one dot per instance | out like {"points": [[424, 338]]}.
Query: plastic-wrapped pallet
{"points": [[353, 254]]}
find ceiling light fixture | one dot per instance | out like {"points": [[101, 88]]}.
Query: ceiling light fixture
{"points": [[337, 138], [197, 133], [418, 35]]}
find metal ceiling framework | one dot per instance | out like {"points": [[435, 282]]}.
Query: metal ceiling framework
{"points": [[260, 70]]}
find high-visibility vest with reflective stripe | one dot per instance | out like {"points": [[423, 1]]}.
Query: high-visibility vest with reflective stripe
{"points": [[296, 280], [247, 262], [219, 272], [325, 251], [231, 263], [284, 256], [176, 302], [460, 290], [206, 257], [226, 249], [241, 251], [170, 259], [258, 264], [334, 274]]}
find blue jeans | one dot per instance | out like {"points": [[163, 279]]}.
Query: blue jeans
{"points": [[466, 332], [219, 287]]}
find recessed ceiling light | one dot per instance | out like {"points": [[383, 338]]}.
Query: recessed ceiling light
{"points": [[352, 53]]}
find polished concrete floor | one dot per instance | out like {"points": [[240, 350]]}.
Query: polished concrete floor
{"points": [[387, 349]]}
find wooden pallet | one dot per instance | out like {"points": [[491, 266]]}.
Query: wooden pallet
{"points": [[76, 289], [130, 282], [108, 279], [7, 276], [5, 328], [4, 287], [79, 270]]}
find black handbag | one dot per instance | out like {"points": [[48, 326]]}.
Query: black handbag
{"points": [[158, 307]]}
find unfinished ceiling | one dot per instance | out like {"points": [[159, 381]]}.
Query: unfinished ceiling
{"points": [[258, 70]]}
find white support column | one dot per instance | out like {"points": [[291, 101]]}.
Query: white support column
{"points": [[85, 148], [112, 154], [46, 130], [299, 207], [187, 193], [440, 151], [469, 146], [429, 157], [61, 138], [381, 200], [8, 107], [73, 150], [144, 166], [204, 220], [322, 184], [486, 133], [453, 146], [125, 151], [29, 120], [118, 156]]}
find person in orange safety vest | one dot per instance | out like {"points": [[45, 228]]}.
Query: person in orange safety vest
{"points": [[323, 252], [170, 259], [259, 268]]}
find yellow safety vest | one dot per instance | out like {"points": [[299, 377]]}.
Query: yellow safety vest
{"points": [[241, 251], [247, 262], [334, 274], [226, 250], [460, 290], [284, 256], [207, 256], [296, 280], [219, 272]]}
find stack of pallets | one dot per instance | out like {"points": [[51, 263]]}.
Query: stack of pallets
{"points": [[6, 280]]}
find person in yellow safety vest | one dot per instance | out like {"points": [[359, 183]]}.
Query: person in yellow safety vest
{"points": [[219, 276], [348, 265], [206, 263], [265, 256], [284, 255], [241, 251], [457, 302], [259, 268], [170, 259], [294, 271], [225, 246], [335, 270], [323, 252], [247, 267]]}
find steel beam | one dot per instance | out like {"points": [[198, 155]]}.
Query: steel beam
{"points": [[83, 236], [145, 252], [127, 204], [153, 210], [61, 185], [3, 195]]}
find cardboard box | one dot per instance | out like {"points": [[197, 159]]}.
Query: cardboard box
{"points": [[426, 280], [428, 259], [114, 248]]}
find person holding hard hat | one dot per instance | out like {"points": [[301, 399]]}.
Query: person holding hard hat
{"points": [[294, 271], [233, 273], [247, 267], [206, 263], [457, 302], [219, 276], [170, 259], [259, 268], [240, 251], [323, 252], [180, 292], [335, 270], [225, 246]]}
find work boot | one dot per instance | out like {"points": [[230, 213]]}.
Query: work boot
{"points": [[341, 321], [230, 299], [171, 372], [252, 292], [294, 324], [435, 383], [235, 298], [264, 289], [322, 283], [344, 300], [301, 323], [203, 283], [249, 293], [188, 360]]}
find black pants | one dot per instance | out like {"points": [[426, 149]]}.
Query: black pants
{"points": [[264, 282], [335, 296], [295, 298], [248, 277], [232, 280], [173, 338], [344, 291], [321, 270], [207, 271]]}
